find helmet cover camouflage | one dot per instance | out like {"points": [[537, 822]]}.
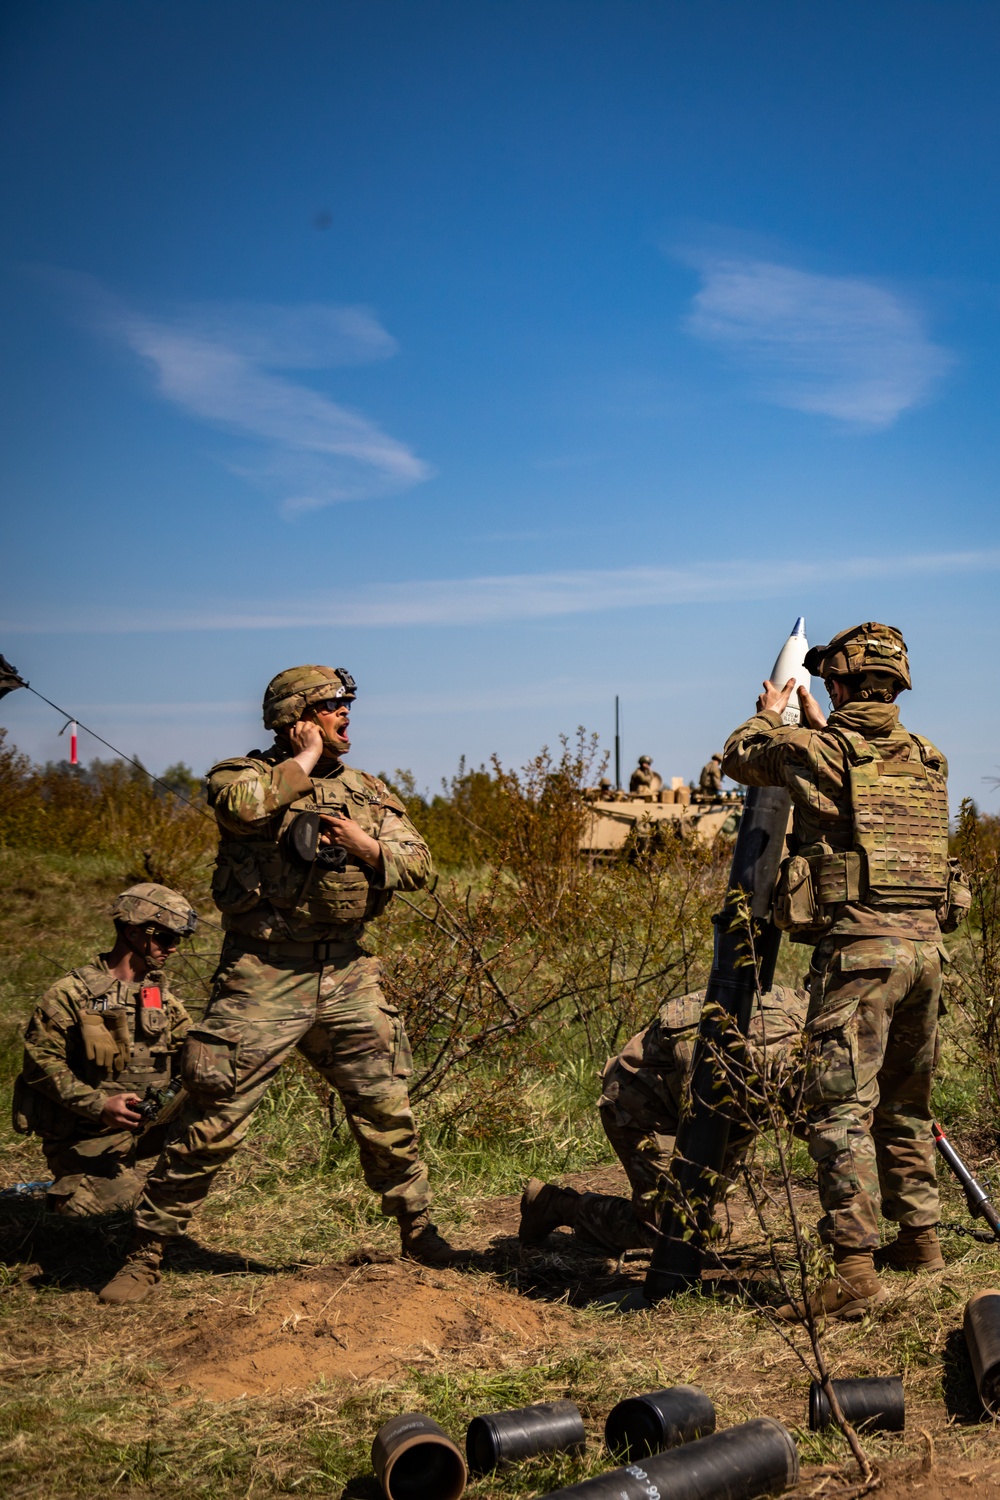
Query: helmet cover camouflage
{"points": [[155, 903], [864, 649], [290, 693], [645, 760]]}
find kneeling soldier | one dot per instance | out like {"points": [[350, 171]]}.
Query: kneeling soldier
{"points": [[104, 1040], [310, 851], [640, 1107]]}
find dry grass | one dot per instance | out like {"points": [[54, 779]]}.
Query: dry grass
{"points": [[92, 1402]]}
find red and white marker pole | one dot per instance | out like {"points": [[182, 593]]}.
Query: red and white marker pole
{"points": [[70, 724]]}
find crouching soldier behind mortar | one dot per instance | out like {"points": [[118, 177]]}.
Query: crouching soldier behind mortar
{"points": [[310, 851], [870, 884], [642, 1093], [102, 1054]]}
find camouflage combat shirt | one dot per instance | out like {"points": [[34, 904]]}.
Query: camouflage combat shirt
{"points": [[812, 764], [253, 798], [55, 1062]]}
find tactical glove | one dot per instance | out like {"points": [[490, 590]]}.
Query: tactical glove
{"points": [[108, 1051]]}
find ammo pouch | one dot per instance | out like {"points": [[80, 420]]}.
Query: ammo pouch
{"points": [[34, 1113], [810, 883], [958, 902], [209, 1061], [236, 878]]}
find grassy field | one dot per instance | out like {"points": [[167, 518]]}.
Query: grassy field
{"points": [[285, 1331]]}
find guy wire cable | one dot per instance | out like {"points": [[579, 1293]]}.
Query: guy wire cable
{"points": [[10, 680]]}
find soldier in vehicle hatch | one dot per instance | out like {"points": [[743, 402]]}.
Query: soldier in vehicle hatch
{"points": [[870, 884], [644, 778], [710, 780], [310, 851], [101, 1049], [641, 1099]]}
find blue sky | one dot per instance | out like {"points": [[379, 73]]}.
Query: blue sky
{"points": [[510, 354]]}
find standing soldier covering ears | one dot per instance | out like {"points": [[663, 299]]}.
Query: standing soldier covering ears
{"points": [[870, 884], [310, 851], [105, 1040]]}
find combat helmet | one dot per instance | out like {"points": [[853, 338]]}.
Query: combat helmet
{"points": [[155, 903], [864, 650], [645, 760], [291, 692]]}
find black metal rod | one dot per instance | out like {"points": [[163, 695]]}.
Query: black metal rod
{"points": [[976, 1197]]}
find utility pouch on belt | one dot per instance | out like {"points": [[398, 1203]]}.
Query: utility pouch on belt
{"points": [[810, 883], [958, 902], [209, 1061], [794, 902], [34, 1113]]}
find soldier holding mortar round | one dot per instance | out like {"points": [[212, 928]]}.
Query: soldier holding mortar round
{"points": [[870, 884]]}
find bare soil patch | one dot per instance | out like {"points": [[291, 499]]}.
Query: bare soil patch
{"points": [[959, 1483], [352, 1323]]}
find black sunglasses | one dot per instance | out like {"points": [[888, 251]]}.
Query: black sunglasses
{"points": [[164, 937]]}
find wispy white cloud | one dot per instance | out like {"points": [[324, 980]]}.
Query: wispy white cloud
{"points": [[524, 596], [839, 346], [217, 361]]}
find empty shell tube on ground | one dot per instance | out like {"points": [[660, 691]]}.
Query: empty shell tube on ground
{"points": [[657, 1421], [872, 1404], [982, 1337], [505, 1437], [756, 1458], [415, 1459]]}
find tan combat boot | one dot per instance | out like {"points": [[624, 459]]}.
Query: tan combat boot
{"points": [[421, 1241], [912, 1250], [853, 1290], [545, 1207], [139, 1274]]}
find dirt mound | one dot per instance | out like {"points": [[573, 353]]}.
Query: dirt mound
{"points": [[354, 1322], [947, 1483]]}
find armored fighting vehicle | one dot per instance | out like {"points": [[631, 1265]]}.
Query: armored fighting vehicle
{"points": [[617, 819]]}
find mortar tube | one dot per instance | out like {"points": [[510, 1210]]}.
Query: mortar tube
{"points": [[870, 1405], [504, 1437], [982, 1337], [414, 1458], [756, 1458], [703, 1131], [643, 1425]]}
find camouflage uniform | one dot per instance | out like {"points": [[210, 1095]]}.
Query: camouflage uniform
{"points": [[710, 780], [293, 974], [61, 1092], [644, 778], [642, 1093], [875, 979]]}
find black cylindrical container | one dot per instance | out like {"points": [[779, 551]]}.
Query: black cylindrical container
{"points": [[757, 1458], [414, 1459], [503, 1437], [982, 1337], [658, 1421], [876, 1405]]}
